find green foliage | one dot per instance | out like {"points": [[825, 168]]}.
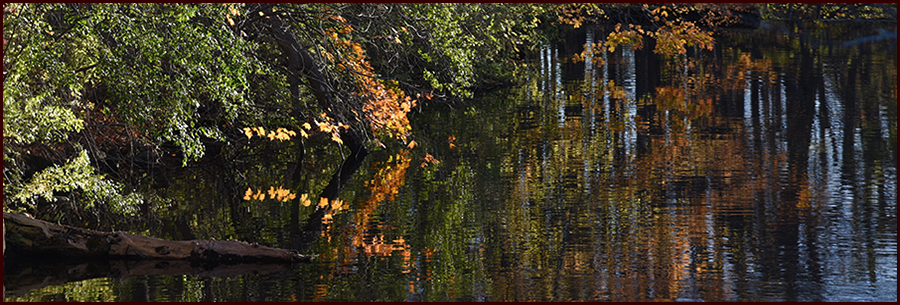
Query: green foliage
{"points": [[27, 120], [160, 62], [444, 20], [77, 175], [172, 59], [447, 47], [38, 88]]}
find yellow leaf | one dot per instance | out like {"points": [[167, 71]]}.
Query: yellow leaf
{"points": [[307, 126], [337, 139], [248, 194], [411, 144], [271, 192], [323, 202], [304, 200], [248, 132], [324, 127]]}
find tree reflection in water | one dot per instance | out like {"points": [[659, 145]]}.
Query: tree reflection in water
{"points": [[763, 170]]}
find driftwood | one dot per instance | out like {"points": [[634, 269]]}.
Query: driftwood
{"points": [[29, 237]]}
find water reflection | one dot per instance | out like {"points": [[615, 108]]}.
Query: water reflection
{"points": [[764, 170], [739, 174]]}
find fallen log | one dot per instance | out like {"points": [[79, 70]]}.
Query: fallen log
{"points": [[28, 237]]}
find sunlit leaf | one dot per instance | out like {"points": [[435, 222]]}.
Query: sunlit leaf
{"points": [[248, 195]]}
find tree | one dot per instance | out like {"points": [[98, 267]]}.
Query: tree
{"points": [[97, 91]]}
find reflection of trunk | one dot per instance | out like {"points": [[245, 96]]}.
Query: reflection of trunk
{"points": [[300, 62], [32, 237], [314, 223], [23, 276]]}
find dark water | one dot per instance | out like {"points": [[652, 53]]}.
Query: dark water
{"points": [[764, 170]]}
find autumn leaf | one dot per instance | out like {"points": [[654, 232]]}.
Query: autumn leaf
{"points": [[248, 195], [428, 158], [304, 200], [324, 126], [411, 144], [323, 202], [248, 132]]}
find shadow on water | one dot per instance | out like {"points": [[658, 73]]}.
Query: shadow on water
{"points": [[763, 170]]}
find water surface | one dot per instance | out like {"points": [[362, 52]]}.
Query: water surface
{"points": [[764, 170]]}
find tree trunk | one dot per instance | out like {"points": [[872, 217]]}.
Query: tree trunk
{"points": [[29, 237], [301, 63]]}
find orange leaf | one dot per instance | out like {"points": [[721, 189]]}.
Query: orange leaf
{"points": [[248, 194]]}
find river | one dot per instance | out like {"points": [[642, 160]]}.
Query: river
{"points": [[763, 170]]}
